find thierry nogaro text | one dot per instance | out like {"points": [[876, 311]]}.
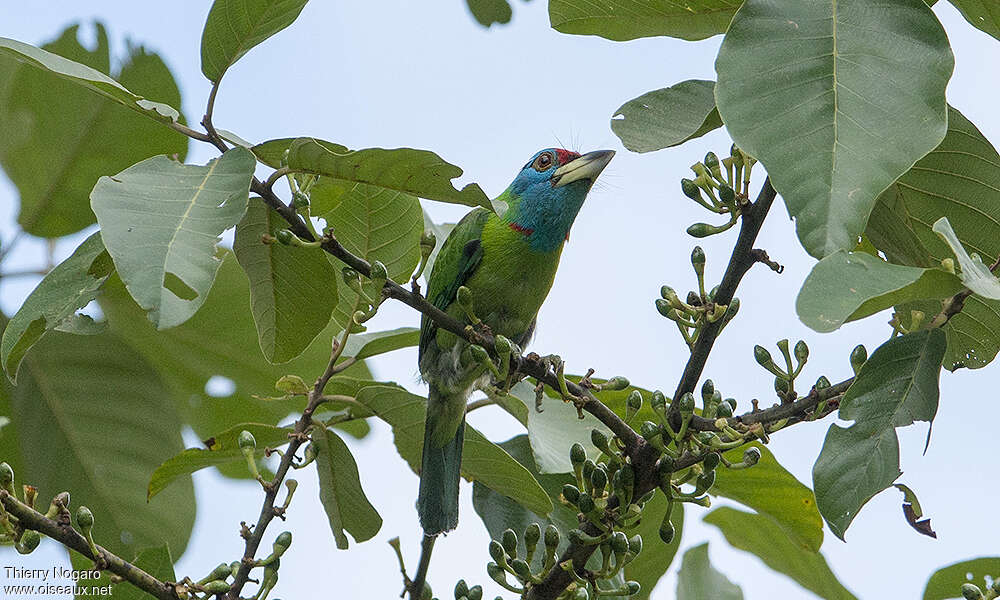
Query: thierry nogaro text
{"points": [[50, 574]]}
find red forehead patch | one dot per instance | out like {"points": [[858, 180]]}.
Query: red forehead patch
{"points": [[565, 156]]}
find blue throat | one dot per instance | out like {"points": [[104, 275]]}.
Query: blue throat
{"points": [[543, 213]]}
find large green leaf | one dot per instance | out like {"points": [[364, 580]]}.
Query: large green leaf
{"points": [[897, 386], [667, 117], [852, 97], [960, 179], [157, 562], [219, 341], [482, 460], [418, 172], [365, 345], [95, 419], [488, 12], [764, 538], [847, 286], [234, 27], [292, 290], [61, 137], [345, 503], [222, 449], [161, 221], [698, 579], [622, 20], [772, 491], [983, 14], [947, 582], [53, 304], [87, 76]]}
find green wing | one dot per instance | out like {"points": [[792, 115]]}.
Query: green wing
{"points": [[457, 261]]}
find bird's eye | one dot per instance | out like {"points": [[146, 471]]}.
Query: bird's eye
{"points": [[543, 162]]}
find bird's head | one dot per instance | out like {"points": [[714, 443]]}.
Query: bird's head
{"points": [[547, 194]]}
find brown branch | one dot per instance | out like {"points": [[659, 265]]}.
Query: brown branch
{"points": [[28, 518]]}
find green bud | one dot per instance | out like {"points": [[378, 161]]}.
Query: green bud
{"points": [[701, 230], [801, 352], [711, 160], [948, 264], [666, 530], [502, 345], [667, 292], [220, 572], [663, 307], [633, 587], [581, 593], [532, 533], [782, 345], [551, 536], [521, 569], [479, 353], [659, 402], [781, 385], [571, 493], [698, 259], [731, 310], [859, 356], [581, 538], [822, 383], [84, 518], [731, 402], [694, 299], [246, 441], [707, 390], [496, 573], [29, 541], [971, 591], [464, 296], [599, 440], [632, 404], [635, 544], [704, 482], [690, 189], [588, 468], [711, 461], [577, 455], [726, 194], [724, 410], [649, 430], [616, 383], [282, 543], [619, 543], [6, 476], [497, 553], [665, 469], [586, 503], [285, 236], [686, 403], [762, 356], [216, 587], [378, 271], [461, 589], [475, 592], [350, 277], [291, 384], [751, 456], [598, 479], [509, 541]]}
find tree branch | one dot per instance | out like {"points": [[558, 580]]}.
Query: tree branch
{"points": [[62, 532]]}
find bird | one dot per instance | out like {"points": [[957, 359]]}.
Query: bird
{"points": [[507, 262]]}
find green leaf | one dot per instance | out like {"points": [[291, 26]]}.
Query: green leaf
{"points": [[292, 290], [61, 137], [160, 221], [698, 579], [87, 76], [365, 345], [772, 491], [53, 304], [947, 582], [222, 449], [340, 491], [155, 561], [220, 340], [897, 386], [488, 12], [234, 27], [764, 538], [859, 99], [94, 418], [847, 286], [975, 275], [418, 172], [982, 14], [482, 460], [959, 179], [623, 20], [667, 117]]}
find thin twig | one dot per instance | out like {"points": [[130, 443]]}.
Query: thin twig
{"points": [[417, 585]]}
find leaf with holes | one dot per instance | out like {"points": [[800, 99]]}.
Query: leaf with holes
{"points": [[53, 304], [765, 539], [667, 117], [97, 420], [854, 95], [947, 582], [234, 27], [960, 179], [61, 137], [847, 286], [345, 503], [292, 290], [623, 20], [897, 386], [161, 221]]}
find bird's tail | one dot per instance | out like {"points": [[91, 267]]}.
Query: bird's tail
{"points": [[440, 471]]}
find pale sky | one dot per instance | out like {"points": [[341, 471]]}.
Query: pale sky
{"points": [[392, 73]]}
